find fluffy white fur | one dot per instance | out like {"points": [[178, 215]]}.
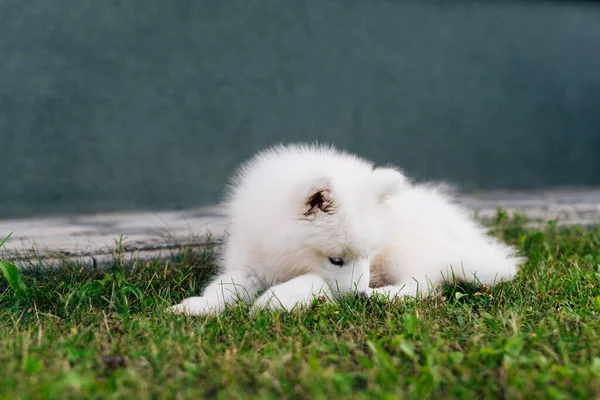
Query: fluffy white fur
{"points": [[296, 212]]}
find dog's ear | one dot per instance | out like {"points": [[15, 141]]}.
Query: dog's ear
{"points": [[389, 183], [319, 200]]}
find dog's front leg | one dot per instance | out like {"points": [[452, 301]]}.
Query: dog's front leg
{"points": [[295, 293], [223, 291], [416, 287]]}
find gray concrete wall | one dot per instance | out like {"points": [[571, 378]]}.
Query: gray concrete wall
{"points": [[148, 104]]}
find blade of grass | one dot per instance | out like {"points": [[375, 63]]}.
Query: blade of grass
{"points": [[11, 273], [5, 239]]}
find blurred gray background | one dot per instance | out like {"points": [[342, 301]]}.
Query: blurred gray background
{"points": [[150, 104]]}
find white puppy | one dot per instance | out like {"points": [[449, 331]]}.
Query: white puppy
{"points": [[308, 221]]}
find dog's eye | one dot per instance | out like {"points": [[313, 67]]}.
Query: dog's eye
{"points": [[336, 261]]}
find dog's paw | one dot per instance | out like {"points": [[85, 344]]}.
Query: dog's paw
{"points": [[391, 292], [293, 294], [277, 300], [197, 306]]}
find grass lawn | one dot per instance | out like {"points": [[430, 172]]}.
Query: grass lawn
{"points": [[76, 332]]}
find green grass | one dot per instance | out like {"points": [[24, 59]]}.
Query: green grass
{"points": [[75, 332]]}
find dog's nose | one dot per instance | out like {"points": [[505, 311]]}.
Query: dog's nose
{"points": [[362, 295]]}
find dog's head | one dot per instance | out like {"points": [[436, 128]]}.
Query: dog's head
{"points": [[347, 220]]}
